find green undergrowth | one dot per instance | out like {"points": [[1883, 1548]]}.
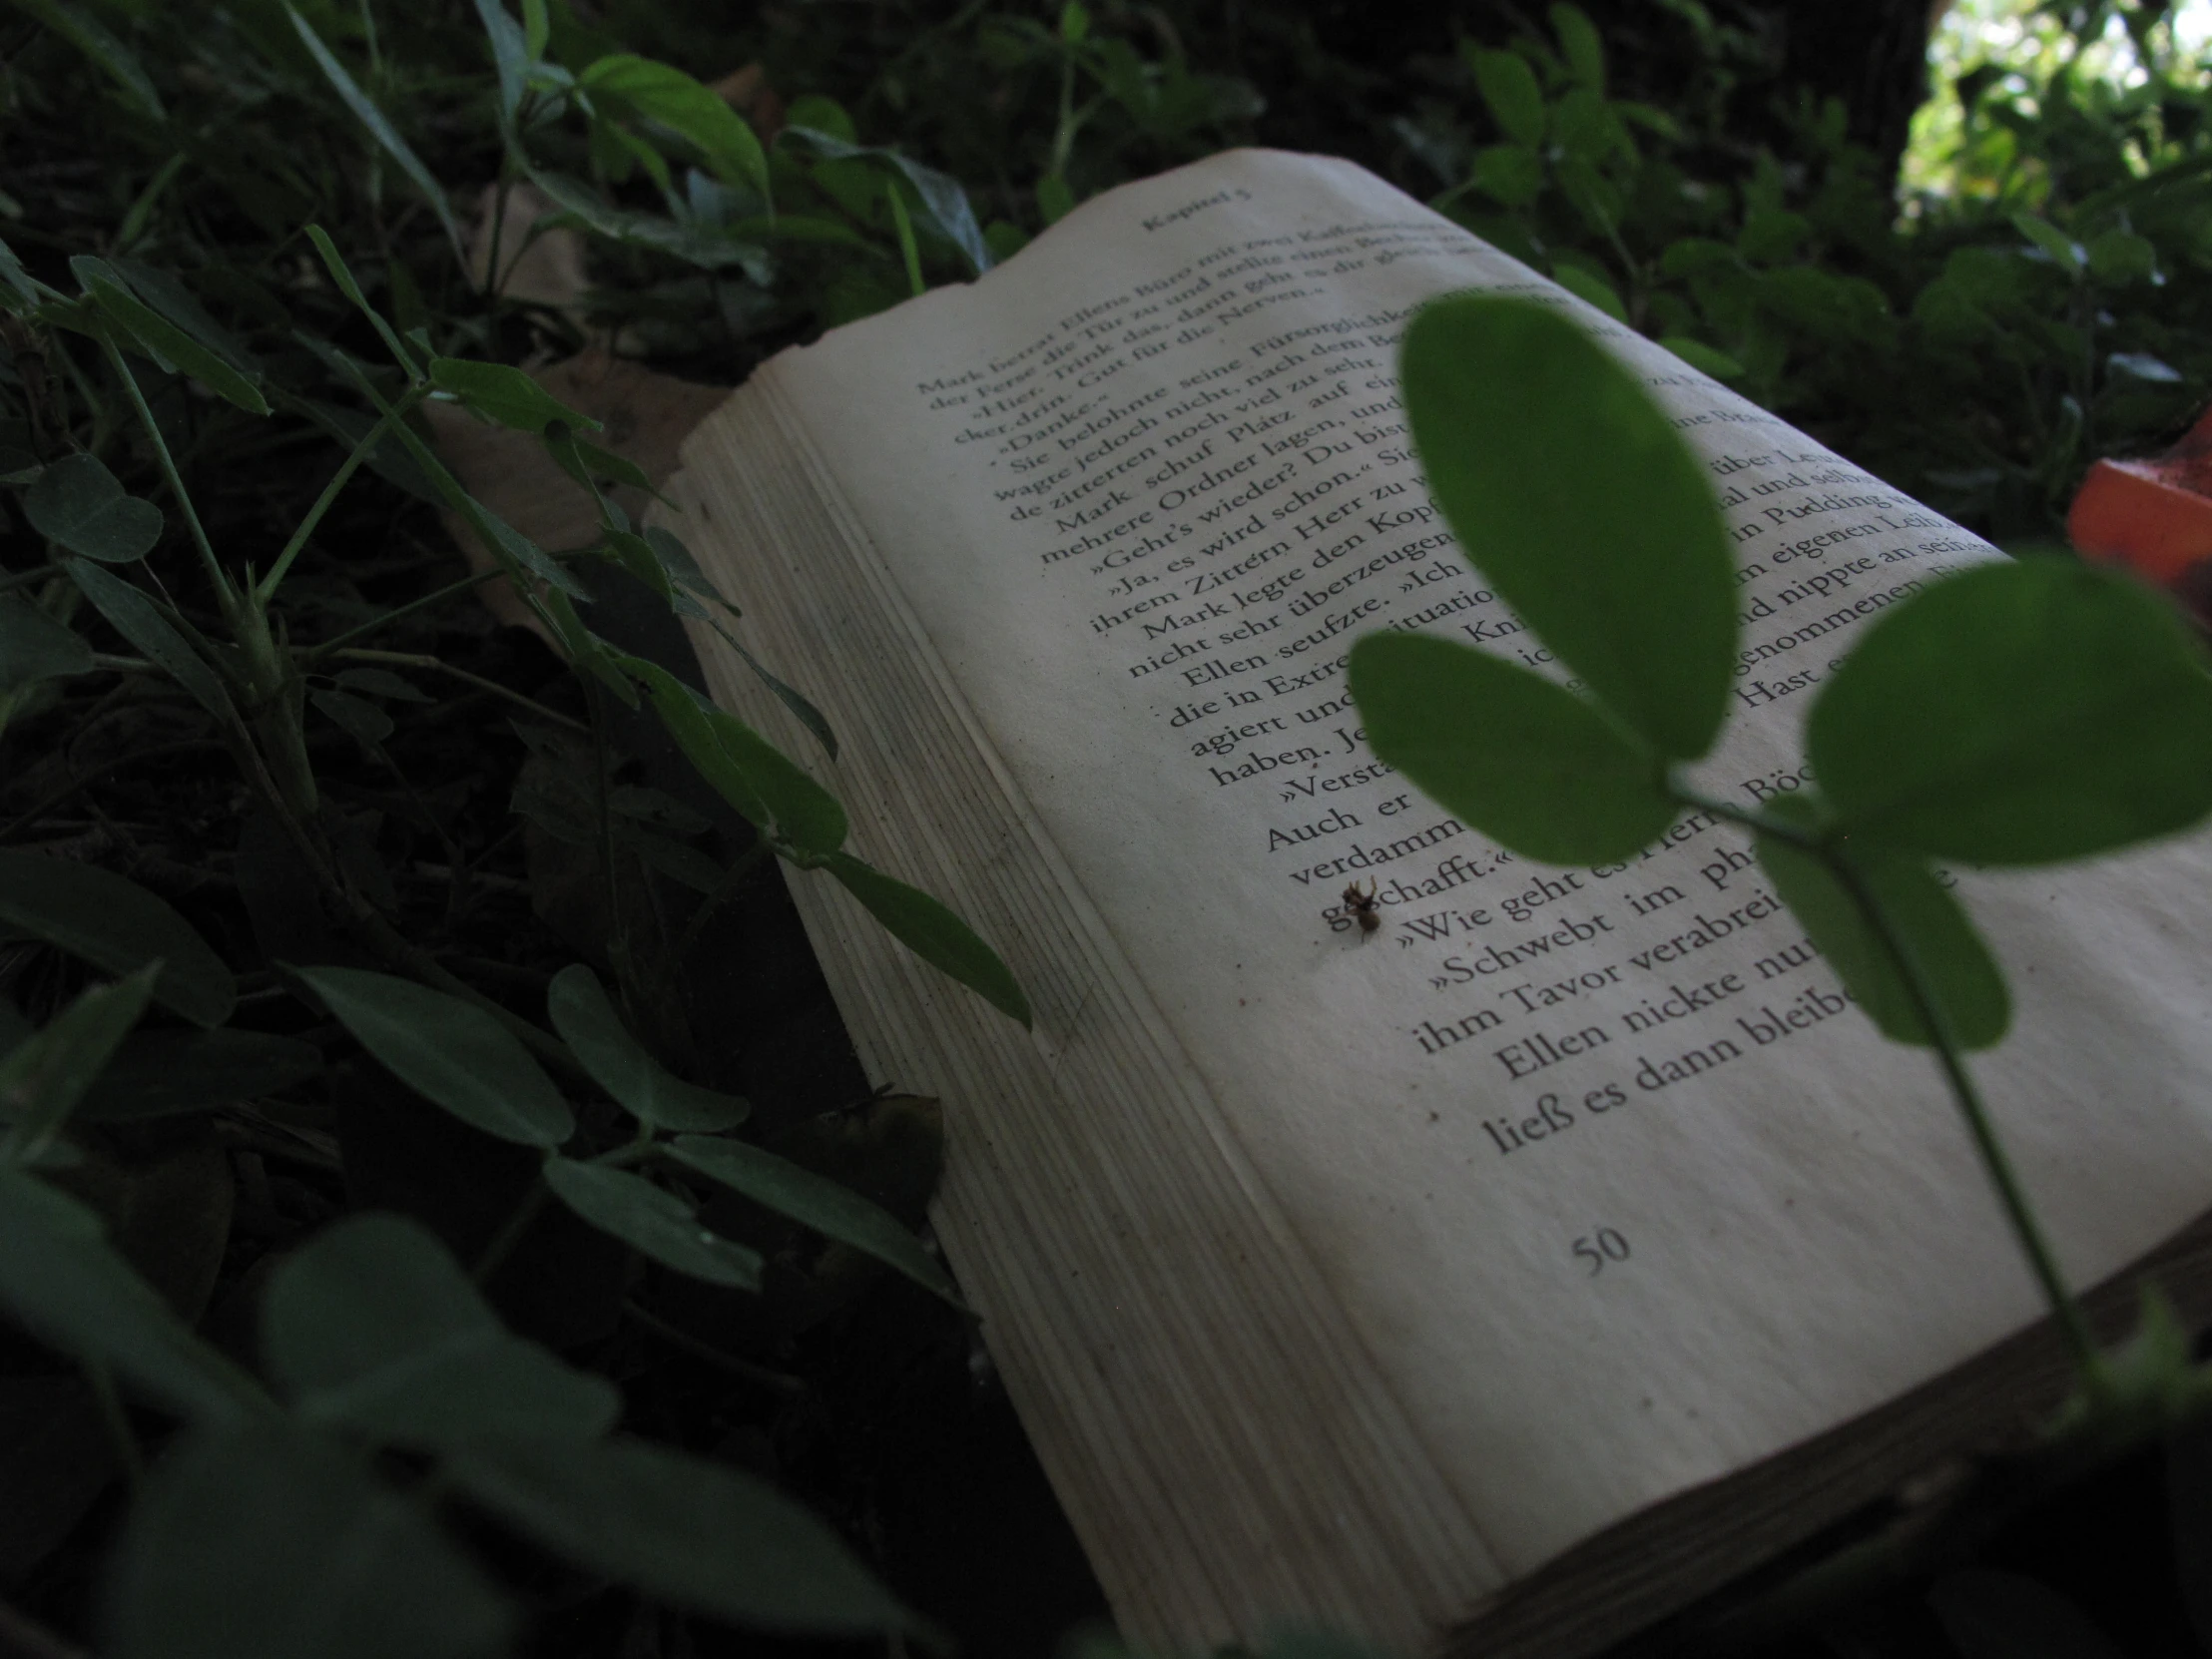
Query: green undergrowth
{"points": [[427, 1142]]}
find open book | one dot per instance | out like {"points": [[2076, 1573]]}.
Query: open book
{"points": [[1512, 1272]]}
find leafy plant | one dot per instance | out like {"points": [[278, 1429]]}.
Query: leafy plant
{"points": [[2012, 715], [1980, 349]]}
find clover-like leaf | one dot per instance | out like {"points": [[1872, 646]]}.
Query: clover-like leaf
{"points": [[1965, 985], [78, 505], [374, 1325], [618, 1062], [699, 1535], [1573, 495], [2020, 712], [928, 929], [1506, 751]]}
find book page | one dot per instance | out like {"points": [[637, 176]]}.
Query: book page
{"points": [[1617, 1187]]}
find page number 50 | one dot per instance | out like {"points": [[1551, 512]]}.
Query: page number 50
{"points": [[1599, 1248]]}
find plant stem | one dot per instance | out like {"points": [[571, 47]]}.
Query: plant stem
{"points": [[311, 653], [329, 495], [510, 1234], [412, 659], [740, 869], [223, 589], [2042, 1259], [24, 578], [2065, 1311]]}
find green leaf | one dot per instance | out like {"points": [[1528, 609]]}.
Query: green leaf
{"points": [[1055, 200], [165, 294], [1704, 359], [673, 99], [140, 621], [801, 710], [1964, 982], [76, 504], [618, 1062], [1581, 45], [2122, 257], [163, 1073], [162, 339], [342, 274], [1590, 288], [697, 1535], [449, 1052], [2019, 713], [932, 932], [92, 38], [60, 1280], [505, 541], [652, 1220], [832, 1209], [1510, 174], [382, 131], [503, 394], [944, 204], [511, 56], [2067, 253], [372, 1325], [537, 27], [1508, 753], [1630, 582], [116, 925], [263, 1542], [34, 647], [43, 1080], [765, 785], [1508, 87]]}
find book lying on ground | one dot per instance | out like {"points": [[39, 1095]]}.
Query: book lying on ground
{"points": [[1507, 1275]]}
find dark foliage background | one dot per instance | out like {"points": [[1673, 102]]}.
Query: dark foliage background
{"points": [[1720, 175]]}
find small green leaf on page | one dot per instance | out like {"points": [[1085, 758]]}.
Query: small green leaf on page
{"points": [[1508, 753], [2020, 712], [931, 932], [1967, 985], [1631, 585]]}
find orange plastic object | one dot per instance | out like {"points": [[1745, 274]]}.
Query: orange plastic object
{"points": [[2153, 515]]}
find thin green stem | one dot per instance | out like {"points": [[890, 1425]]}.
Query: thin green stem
{"points": [[2065, 1311], [909, 249], [224, 591], [329, 495], [24, 578], [434, 665], [510, 1232], [742, 867], [2042, 1259], [310, 654]]}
